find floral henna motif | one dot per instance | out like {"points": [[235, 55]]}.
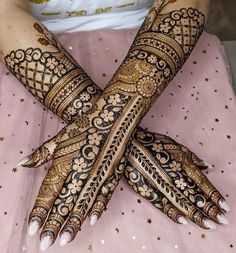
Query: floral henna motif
{"points": [[158, 52], [172, 169], [142, 186], [153, 60], [53, 76], [93, 138]]}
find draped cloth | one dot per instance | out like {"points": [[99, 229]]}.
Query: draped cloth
{"points": [[197, 109]]}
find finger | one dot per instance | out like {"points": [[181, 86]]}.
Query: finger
{"points": [[201, 201], [42, 154], [178, 154], [192, 191], [155, 197], [63, 204], [179, 201], [144, 162], [88, 196], [105, 194], [54, 180], [172, 157], [203, 183], [196, 160], [48, 192]]}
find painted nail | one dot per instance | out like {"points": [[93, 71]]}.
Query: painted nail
{"points": [[209, 224], [45, 242], [208, 165], [24, 161], [93, 219], [224, 205], [33, 227], [222, 219], [65, 238], [182, 220]]}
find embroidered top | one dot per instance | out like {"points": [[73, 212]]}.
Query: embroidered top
{"points": [[80, 15]]}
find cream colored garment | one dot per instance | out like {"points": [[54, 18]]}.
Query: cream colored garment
{"points": [[197, 109], [80, 15]]}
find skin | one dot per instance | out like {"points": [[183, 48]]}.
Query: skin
{"points": [[27, 39]]}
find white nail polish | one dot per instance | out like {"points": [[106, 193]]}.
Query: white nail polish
{"points": [[222, 219], [93, 219], [224, 205], [23, 161], [209, 224], [208, 165], [65, 238], [33, 227], [45, 242], [182, 220]]}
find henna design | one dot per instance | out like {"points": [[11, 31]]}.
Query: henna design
{"points": [[142, 186], [162, 162], [152, 62], [53, 76], [84, 160], [158, 52]]}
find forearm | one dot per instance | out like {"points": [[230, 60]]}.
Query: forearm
{"points": [[160, 48], [35, 58], [42, 65]]}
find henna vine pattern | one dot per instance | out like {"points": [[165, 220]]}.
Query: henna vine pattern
{"points": [[163, 167], [87, 152], [153, 60]]}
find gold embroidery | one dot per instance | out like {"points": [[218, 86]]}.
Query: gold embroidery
{"points": [[105, 131], [125, 5], [38, 1], [103, 10], [77, 13], [51, 13]]}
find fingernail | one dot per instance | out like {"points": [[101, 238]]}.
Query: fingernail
{"points": [[208, 165], [24, 161], [182, 220], [209, 224], [222, 219], [93, 219], [45, 242], [33, 227], [65, 238], [224, 205]]}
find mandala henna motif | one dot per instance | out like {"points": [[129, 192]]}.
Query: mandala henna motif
{"points": [[153, 59], [160, 48]]}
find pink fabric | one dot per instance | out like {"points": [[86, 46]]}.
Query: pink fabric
{"points": [[197, 109]]}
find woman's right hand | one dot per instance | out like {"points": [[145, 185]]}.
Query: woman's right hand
{"points": [[158, 168]]}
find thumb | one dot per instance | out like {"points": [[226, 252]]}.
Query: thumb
{"points": [[42, 154]]}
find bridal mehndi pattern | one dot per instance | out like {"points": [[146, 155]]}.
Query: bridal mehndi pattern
{"points": [[102, 141]]}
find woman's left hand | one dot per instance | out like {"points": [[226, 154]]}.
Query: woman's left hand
{"points": [[170, 177]]}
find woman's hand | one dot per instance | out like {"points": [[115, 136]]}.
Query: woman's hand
{"points": [[159, 169], [87, 153], [158, 52], [170, 176]]}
